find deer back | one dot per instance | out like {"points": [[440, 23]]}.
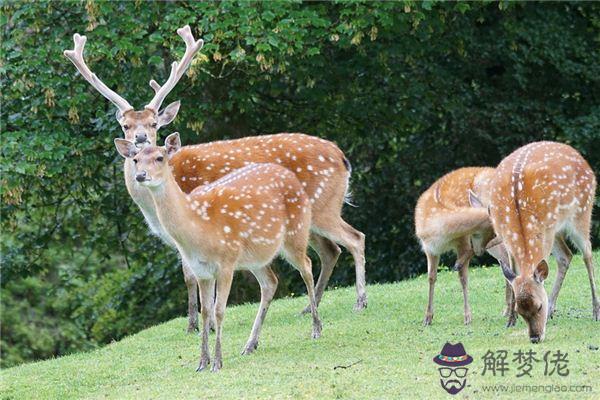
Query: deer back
{"points": [[319, 164], [254, 207], [444, 208], [539, 190]]}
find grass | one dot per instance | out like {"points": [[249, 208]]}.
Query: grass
{"points": [[385, 349]]}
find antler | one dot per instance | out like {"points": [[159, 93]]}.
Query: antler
{"points": [[177, 68], [76, 57]]}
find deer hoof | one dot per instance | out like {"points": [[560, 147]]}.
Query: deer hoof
{"points": [[203, 364], [512, 321], [306, 310], [427, 320], [217, 366], [361, 303], [316, 331], [249, 349], [468, 319]]}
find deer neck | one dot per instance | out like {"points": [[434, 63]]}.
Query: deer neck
{"points": [[174, 212], [142, 197]]}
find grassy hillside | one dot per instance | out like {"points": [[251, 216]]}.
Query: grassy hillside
{"points": [[385, 349]]}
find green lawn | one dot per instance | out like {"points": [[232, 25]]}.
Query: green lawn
{"points": [[389, 348]]}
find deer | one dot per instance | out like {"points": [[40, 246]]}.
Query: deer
{"points": [[320, 165], [541, 192], [449, 217], [238, 222]]}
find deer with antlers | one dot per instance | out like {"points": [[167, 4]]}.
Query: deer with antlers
{"points": [[320, 165], [541, 191], [240, 221], [448, 217]]}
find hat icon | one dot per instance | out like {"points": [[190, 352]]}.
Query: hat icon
{"points": [[453, 355]]}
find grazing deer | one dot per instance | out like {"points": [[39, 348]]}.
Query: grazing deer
{"points": [[541, 191], [240, 221], [319, 164], [448, 217]]}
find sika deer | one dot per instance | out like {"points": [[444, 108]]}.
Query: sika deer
{"points": [[240, 221], [319, 164], [446, 219], [142, 126], [542, 190]]}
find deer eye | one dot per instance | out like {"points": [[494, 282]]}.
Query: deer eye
{"points": [[154, 124], [540, 308], [126, 127], [135, 161], [159, 159]]}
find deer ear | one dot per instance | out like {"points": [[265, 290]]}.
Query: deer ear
{"points": [[168, 114], [126, 148], [474, 200], [496, 249], [172, 143], [509, 274], [541, 272]]}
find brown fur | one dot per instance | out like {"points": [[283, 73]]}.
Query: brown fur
{"points": [[132, 121], [540, 192], [142, 125], [446, 221], [319, 165], [240, 221]]}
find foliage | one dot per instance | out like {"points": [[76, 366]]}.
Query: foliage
{"points": [[386, 350], [409, 90]]}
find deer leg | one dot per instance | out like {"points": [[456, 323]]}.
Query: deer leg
{"points": [[329, 253], [192, 289], [268, 285], [563, 258], [465, 253], [224, 279], [211, 304], [295, 253], [342, 233], [496, 249], [581, 238], [511, 319], [206, 294], [512, 314], [507, 299], [587, 259], [432, 264], [307, 277]]}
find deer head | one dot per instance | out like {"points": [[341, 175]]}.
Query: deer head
{"points": [[140, 126], [531, 298], [151, 165]]}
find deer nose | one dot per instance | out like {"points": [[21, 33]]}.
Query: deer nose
{"points": [[140, 176], [141, 137], [534, 339]]}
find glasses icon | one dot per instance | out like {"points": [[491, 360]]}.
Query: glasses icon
{"points": [[447, 372]]}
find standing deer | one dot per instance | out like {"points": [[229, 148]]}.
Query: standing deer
{"points": [[240, 221], [541, 191], [448, 217], [320, 165]]}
